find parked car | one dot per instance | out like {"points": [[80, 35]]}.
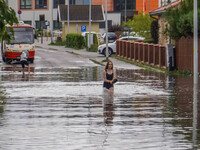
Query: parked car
{"points": [[111, 37], [112, 46], [126, 34]]}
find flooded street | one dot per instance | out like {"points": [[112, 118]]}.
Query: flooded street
{"points": [[67, 109]]}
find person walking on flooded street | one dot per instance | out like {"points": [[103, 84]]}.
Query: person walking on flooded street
{"points": [[109, 77], [24, 61]]}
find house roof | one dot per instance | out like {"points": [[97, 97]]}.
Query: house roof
{"points": [[162, 9], [80, 13]]}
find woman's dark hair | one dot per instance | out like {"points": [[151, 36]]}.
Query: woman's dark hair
{"points": [[108, 64]]}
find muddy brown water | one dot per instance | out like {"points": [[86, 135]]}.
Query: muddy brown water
{"points": [[67, 109]]}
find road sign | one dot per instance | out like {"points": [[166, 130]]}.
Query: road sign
{"points": [[47, 23], [19, 12], [83, 28]]}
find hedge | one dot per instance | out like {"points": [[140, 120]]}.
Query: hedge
{"points": [[74, 40]]}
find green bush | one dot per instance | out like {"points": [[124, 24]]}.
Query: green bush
{"points": [[93, 48], [95, 40], [58, 43], [74, 40], [148, 41]]}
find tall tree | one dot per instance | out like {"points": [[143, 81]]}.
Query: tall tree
{"points": [[180, 20], [141, 24], [7, 17]]}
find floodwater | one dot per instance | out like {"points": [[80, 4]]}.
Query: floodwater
{"points": [[67, 109]]}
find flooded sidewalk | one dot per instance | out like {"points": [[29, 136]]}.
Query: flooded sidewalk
{"points": [[67, 109]]}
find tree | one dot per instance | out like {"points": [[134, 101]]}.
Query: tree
{"points": [[180, 20], [141, 25], [7, 17]]}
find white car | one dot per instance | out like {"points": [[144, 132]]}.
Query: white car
{"points": [[112, 46]]}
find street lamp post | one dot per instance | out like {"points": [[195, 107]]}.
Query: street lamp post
{"points": [[68, 18], [125, 11], [33, 14], [195, 43], [106, 30], [89, 26], [195, 88], [51, 22]]}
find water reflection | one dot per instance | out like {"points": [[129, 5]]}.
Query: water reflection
{"points": [[108, 106], [63, 108], [195, 116], [2, 103]]}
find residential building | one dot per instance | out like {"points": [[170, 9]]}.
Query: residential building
{"points": [[39, 13], [79, 18], [42, 14]]}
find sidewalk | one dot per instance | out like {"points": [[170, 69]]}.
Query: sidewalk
{"points": [[93, 56]]}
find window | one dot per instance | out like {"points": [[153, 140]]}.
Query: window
{"points": [[86, 2], [79, 2], [28, 22], [57, 25], [40, 4], [72, 2], [102, 24], [42, 17], [25, 4], [40, 25], [119, 5], [57, 2]]}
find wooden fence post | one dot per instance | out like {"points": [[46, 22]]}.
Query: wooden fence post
{"points": [[150, 53], [132, 50]]}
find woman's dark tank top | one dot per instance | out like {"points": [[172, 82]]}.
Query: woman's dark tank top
{"points": [[108, 77]]}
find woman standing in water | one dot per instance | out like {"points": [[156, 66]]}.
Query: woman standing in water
{"points": [[109, 76]]}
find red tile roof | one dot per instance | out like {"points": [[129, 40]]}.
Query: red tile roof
{"points": [[162, 9]]}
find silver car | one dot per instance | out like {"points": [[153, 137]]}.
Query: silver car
{"points": [[112, 46]]}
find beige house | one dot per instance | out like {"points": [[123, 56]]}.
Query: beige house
{"points": [[79, 18], [163, 40]]}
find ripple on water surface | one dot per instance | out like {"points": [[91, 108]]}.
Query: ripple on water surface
{"points": [[68, 109]]}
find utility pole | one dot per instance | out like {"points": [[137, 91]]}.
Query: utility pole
{"points": [[149, 5], [68, 18], [195, 43], [89, 26], [51, 22], [106, 30], [33, 20], [195, 88], [144, 6], [125, 11]]}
